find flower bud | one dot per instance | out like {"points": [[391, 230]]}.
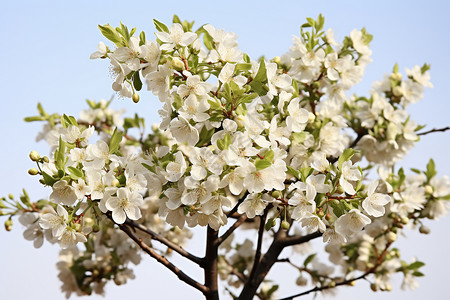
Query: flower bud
{"points": [[374, 287], [405, 220], [396, 76], [135, 97], [429, 189], [332, 284], [8, 224], [388, 287], [391, 237], [285, 225], [311, 117], [277, 194], [352, 283], [301, 281], [424, 229], [276, 59], [11, 196], [177, 64], [397, 91], [45, 159], [33, 171], [34, 156]]}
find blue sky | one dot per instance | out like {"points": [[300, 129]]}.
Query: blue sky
{"points": [[45, 57]]}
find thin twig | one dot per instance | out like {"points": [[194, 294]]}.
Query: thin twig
{"points": [[318, 289], [166, 242], [230, 230], [435, 130], [161, 259]]}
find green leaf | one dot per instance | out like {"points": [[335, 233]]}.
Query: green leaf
{"points": [[271, 222], [137, 83], [293, 172], [111, 34], [176, 19], [142, 38], [415, 265], [337, 210], [150, 168], [208, 40], [68, 120], [431, 169], [125, 32], [41, 110], [160, 26], [60, 155], [418, 274], [269, 155], [248, 98], [75, 173], [262, 164], [347, 155], [261, 75], [33, 119], [243, 67], [116, 138], [305, 172], [309, 259], [49, 180]]}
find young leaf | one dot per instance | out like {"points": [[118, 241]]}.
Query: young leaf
{"points": [[160, 26], [116, 138], [111, 34]]}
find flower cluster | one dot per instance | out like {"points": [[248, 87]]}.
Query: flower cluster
{"points": [[267, 141]]}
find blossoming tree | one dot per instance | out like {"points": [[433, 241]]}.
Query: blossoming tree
{"points": [[267, 155]]}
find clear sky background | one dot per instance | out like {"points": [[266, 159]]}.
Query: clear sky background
{"points": [[44, 55]]}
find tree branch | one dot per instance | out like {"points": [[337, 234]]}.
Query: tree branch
{"points": [[161, 259], [318, 289], [435, 130], [296, 240], [264, 266], [259, 244], [166, 242], [230, 230]]}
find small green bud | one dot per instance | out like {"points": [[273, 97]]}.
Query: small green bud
{"points": [[424, 229], [33, 171], [42, 181], [276, 59], [388, 287], [332, 284], [34, 156], [405, 220], [340, 190], [277, 194], [45, 159], [11, 196], [8, 224], [135, 97], [285, 225], [374, 287]]}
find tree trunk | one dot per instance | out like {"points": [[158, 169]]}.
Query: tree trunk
{"points": [[211, 265]]}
